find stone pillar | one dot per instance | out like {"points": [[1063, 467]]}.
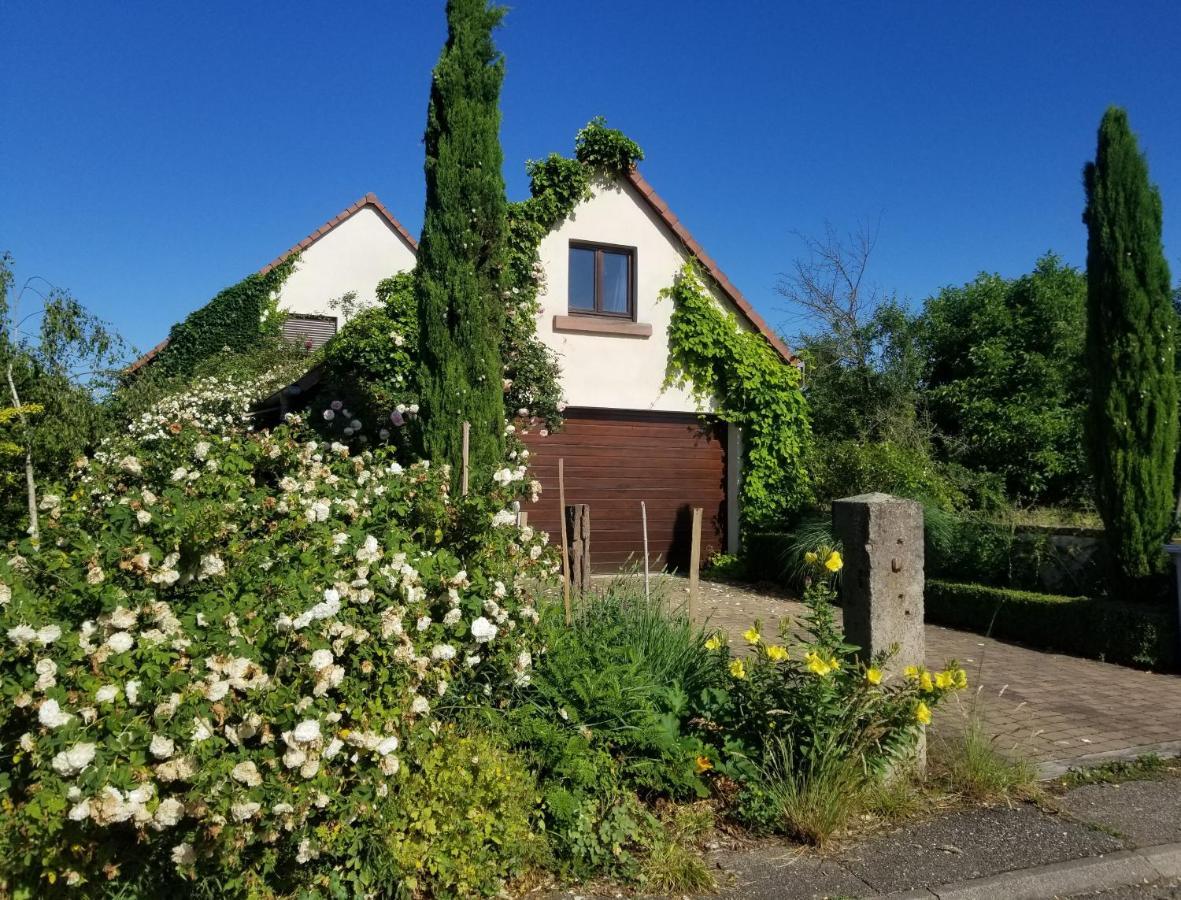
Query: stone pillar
{"points": [[882, 582]]}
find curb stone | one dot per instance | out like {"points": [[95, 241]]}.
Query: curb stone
{"points": [[1096, 873]]}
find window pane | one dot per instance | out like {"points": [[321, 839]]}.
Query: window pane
{"points": [[582, 278], [616, 282]]}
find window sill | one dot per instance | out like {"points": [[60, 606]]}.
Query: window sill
{"points": [[602, 325]]}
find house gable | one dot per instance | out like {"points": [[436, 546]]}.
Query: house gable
{"points": [[620, 363]]}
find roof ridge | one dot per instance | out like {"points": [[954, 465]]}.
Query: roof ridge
{"points": [[727, 287]]}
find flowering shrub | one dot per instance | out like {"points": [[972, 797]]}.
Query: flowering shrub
{"points": [[799, 707], [216, 659]]}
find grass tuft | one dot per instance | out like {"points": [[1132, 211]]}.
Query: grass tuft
{"points": [[968, 762], [674, 865], [1139, 769], [819, 799]]}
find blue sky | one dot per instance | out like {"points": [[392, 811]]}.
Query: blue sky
{"points": [[153, 153]]}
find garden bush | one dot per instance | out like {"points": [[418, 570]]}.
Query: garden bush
{"points": [[1117, 631], [233, 651]]}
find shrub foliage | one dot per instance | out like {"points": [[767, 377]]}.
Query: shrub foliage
{"points": [[1132, 422]]}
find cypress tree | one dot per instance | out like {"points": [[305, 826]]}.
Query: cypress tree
{"points": [[458, 276], [1132, 418]]}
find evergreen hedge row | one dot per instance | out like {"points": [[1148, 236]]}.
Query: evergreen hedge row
{"points": [[1116, 631]]}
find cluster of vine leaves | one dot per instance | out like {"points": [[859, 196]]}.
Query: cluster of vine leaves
{"points": [[751, 387], [239, 319]]}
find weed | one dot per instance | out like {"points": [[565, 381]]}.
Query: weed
{"points": [[1139, 769], [968, 762]]}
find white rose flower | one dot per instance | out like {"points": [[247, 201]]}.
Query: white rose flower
{"points": [[483, 630], [420, 706], [423, 623], [245, 811], [168, 814], [143, 517], [201, 450], [211, 565], [71, 762], [307, 731], [80, 811], [48, 634], [321, 659], [122, 618], [161, 747], [131, 689], [442, 652], [246, 773], [22, 634], [452, 617], [120, 642], [106, 694], [183, 854], [51, 714]]}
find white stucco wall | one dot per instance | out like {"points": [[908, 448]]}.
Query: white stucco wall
{"points": [[612, 371], [353, 256]]}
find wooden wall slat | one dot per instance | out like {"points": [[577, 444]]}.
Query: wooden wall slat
{"points": [[615, 459]]}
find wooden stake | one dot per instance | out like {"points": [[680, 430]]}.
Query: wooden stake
{"points": [[565, 547], [522, 519], [644, 518], [467, 436], [694, 558]]}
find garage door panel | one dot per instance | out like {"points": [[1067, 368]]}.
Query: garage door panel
{"points": [[615, 459]]}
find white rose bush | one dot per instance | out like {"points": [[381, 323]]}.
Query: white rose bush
{"points": [[230, 646]]}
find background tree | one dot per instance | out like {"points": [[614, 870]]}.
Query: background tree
{"points": [[57, 361], [1132, 418], [1005, 385], [460, 256]]}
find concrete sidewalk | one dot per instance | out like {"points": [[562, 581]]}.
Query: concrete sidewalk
{"points": [[1095, 838]]}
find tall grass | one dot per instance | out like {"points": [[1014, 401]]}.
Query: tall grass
{"points": [[968, 762], [815, 796]]}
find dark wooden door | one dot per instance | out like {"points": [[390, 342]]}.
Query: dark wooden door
{"points": [[615, 459]]}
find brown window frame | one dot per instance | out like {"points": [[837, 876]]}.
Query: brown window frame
{"points": [[599, 248]]}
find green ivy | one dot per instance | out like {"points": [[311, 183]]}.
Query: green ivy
{"points": [[752, 387], [238, 319], [557, 184]]}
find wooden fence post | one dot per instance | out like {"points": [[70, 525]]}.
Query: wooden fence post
{"points": [[579, 524], [565, 544], [644, 519], [694, 558]]}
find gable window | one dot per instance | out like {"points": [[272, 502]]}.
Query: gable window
{"points": [[602, 280]]}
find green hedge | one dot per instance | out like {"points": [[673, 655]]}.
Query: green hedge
{"points": [[1112, 630]]}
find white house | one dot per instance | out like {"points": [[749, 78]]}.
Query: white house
{"points": [[626, 438]]}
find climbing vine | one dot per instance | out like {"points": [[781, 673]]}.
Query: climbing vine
{"points": [[238, 319], [752, 387], [556, 185]]}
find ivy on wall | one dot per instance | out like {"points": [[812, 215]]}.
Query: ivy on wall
{"points": [[238, 319], [752, 387], [556, 185]]}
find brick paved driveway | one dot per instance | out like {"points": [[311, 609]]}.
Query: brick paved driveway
{"points": [[1058, 711]]}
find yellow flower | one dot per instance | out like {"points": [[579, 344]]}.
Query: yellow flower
{"points": [[775, 653], [922, 713], [811, 558], [713, 643], [911, 672], [834, 563], [873, 675], [961, 679], [944, 680], [816, 663], [834, 664], [752, 635], [737, 668], [703, 764], [925, 681]]}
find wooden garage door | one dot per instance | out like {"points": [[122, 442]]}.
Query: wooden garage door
{"points": [[615, 459]]}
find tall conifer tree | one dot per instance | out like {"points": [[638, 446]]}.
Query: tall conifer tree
{"points": [[1132, 420], [458, 276]]}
